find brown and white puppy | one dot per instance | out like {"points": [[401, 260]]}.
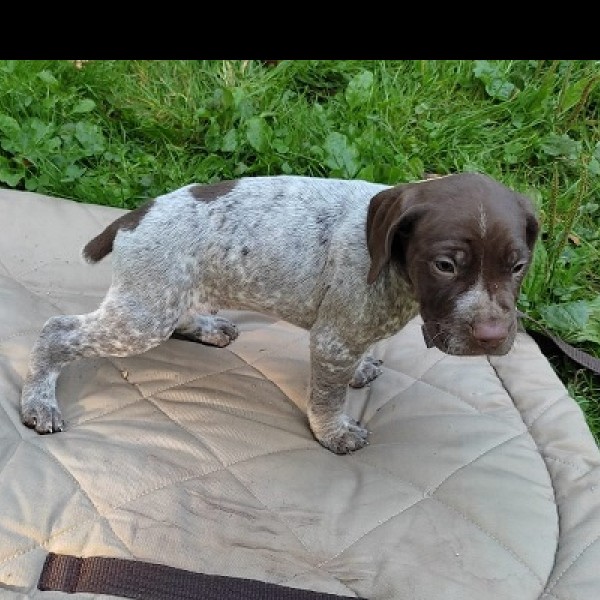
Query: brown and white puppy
{"points": [[351, 261]]}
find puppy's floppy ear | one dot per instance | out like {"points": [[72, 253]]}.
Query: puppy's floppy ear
{"points": [[391, 213], [532, 225]]}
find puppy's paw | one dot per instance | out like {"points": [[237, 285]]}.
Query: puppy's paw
{"points": [[44, 417], [346, 437], [368, 369], [211, 330], [221, 332]]}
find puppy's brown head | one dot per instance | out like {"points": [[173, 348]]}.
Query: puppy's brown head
{"points": [[464, 243]]}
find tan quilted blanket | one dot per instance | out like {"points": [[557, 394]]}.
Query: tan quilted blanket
{"points": [[482, 480]]}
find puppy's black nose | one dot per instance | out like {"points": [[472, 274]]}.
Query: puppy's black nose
{"points": [[490, 334]]}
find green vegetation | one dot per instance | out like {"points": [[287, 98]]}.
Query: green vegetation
{"points": [[117, 132]]}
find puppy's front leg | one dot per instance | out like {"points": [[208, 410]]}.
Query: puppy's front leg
{"points": [[333, 365]]}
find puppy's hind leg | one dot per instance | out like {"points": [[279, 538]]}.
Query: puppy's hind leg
{"points": [[122, 326]]}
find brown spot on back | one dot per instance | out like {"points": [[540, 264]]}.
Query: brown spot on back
{"points": [[212, 191], [97, 248]]}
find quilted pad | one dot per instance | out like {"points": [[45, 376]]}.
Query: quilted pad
{"points": [[481, 480]]}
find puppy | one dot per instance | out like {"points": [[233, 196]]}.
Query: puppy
{"points": [[351, 261]]}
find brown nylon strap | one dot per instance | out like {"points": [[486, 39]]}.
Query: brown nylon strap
{"points": [[579, 356], [148, 581]]}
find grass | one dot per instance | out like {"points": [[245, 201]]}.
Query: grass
{"points": [[118, 132]]}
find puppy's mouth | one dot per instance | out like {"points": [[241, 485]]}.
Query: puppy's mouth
{"points": [[491, 338]]}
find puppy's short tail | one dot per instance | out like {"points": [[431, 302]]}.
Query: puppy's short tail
{"points": [[96, 249], [102, 245]]}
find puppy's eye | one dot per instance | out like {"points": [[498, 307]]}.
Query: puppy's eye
{"points": [[517, 268], [445, 266]]}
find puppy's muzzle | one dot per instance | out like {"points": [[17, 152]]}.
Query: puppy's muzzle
{"points": [[482, 337]]}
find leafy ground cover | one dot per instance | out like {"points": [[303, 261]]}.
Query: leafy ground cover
{"points": [[118, 132]]}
